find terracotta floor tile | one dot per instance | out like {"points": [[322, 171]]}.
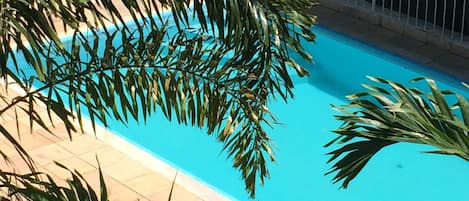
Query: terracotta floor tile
{"points": [[5, 118], [178, 194], [120, 192], [181, 194], [15, 164], [3, 193], [17, 127], [47, 154], [58, 133], [51, 120], [72, 164], [82, 144], [92, 178], [126, 170], [44, 172], [106, 155], [116, 191], [42, 113], [8, 91], [160, 196], [149, 184], [15, 112], [30, 141], [60, 182], [8, 149]]}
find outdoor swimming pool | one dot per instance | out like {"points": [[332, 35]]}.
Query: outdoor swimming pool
{"points": [[399, 172]]}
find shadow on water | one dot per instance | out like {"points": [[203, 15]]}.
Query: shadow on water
{"points": [[341, 66]]}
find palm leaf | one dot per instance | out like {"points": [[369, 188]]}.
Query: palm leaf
{"points": [[230, 67], [33, 186], [385, 116]]}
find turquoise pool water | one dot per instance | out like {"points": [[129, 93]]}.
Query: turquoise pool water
{"points": [[400, 172]]}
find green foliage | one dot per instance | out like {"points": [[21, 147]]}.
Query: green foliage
{"points": [[220, 76], [383, 116], [32, 187]]}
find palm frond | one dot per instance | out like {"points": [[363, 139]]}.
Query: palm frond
{"points": [[213, 64], [395, 113], [34, 187]]}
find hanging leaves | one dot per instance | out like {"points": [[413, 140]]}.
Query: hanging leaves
{"points": [[383, 116], [199, 63]]}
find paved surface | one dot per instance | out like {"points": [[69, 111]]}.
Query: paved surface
{"points": [[418, 51], [127, 179]]}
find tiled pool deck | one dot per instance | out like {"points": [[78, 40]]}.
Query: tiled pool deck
{"points": [[132, 174]]}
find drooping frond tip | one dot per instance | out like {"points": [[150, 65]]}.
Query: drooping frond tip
{"points": [[394, 113]]}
